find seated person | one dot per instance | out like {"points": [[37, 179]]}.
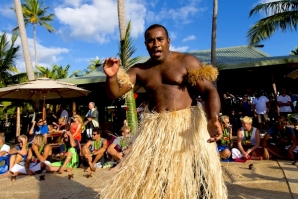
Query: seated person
{"points": [[18, 154], [93, 151], [117, 145], [38, 128], [248, 141], [69, 155], [39, 155], [224, 145], [4, 148], [61, 126], [283, 141]]}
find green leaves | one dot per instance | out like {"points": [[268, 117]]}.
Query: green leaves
{"points": [[281, 15]]}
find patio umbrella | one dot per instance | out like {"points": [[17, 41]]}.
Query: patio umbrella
{"points": [[42, 89], [293, 75]]}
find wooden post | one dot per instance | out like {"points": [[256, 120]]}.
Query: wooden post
{"points": [[74, 108], [18, 121]]}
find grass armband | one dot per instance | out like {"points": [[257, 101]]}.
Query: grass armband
{"points": [[123, 78], [207, 72]]}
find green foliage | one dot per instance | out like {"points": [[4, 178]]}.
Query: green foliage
{"points": [[34, 13], [281, 15], [126, 50], [56, 72], [8, 54], [295, 51]]}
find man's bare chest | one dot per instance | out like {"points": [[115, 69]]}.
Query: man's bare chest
{"points": [[156, 77]]}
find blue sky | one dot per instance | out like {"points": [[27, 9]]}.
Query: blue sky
{"points": [[86, 29]]}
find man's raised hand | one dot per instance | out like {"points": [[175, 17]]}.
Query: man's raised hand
{"points": [[111, 66]]}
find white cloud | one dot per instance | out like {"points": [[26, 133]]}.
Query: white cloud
{"points": [[74, 3], [189, 38], [99, 20], [46, 55], [179, 49], [172, 35], [181, 14]]}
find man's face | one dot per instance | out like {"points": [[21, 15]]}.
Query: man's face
{"points": [[157, 43], [90, 106], [246, 126], [280, 124], [95, 135]]}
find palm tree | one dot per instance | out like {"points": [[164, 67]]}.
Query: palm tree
{"points": [[213, 37], [126, 51], [295, 51], [23, 35], [8, 54], [56, 72], [93, 65], [281, 15], [35, 14]]}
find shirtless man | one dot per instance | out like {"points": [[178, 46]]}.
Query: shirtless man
{"points": [[165, 77]]}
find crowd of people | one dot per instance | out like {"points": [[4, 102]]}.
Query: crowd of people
{"points": [[36, 152], [264, 127]]}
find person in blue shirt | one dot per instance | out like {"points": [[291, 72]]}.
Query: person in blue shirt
{"points": [[39, 127], [282, 143]]}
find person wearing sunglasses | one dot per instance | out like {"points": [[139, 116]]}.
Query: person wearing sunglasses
{"points": [[39, 155], [18, 154], [38, 127], [283, 143], [93, 150], [69, 154], [224, 145]]}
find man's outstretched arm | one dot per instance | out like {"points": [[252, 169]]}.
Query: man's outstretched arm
{"points": [[118, 82]]}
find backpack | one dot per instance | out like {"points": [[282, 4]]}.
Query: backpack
{"points": [[4, 161]]}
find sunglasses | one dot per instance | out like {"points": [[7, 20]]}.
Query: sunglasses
{"points": [[94, 134], [280, 122], [40, 121], [74, 117]]}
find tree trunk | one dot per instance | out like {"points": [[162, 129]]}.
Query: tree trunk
{"points": [[121, 18], [23, 35], [35, 49], [213, 37], [131, 113]]}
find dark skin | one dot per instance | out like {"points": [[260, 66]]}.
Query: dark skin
{"points": [[164, 78]]}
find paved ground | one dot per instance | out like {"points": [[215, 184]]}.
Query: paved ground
{"points": [[267, 179]]}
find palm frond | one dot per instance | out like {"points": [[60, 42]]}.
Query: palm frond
{"points": [[281, 15]]}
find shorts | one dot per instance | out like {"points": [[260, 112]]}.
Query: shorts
{"points": [[262, 117], [32, 167]]}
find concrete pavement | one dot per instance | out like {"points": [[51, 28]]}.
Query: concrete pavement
{"points": [[267, 179]]}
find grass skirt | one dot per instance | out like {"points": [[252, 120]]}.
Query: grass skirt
{"points": [[170, 158]]}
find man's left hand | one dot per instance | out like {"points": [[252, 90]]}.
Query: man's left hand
{"points": [[214, 129]]}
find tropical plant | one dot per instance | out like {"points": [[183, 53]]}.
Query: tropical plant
{"points": [[126, 50], [56, 72], [8, 54], [281, 15], [23, 35], [295, 51], [93, 65], [35, 14]]}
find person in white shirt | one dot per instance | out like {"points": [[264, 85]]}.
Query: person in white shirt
{"points": [[284, 102], [261, 107], [4, 148]]}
